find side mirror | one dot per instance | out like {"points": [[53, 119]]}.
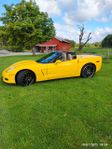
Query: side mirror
{"points": [[58, 61]]}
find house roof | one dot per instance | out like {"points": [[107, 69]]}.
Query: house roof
{"points": [[52, 44], [62, 39], [46, 45]]}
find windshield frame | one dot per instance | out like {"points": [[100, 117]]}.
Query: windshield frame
{"points": [[44, 59]]}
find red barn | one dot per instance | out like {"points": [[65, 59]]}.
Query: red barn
{"points": [[54, 44]]}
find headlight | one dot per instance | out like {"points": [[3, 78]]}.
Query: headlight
{"points": [[10, 69]]}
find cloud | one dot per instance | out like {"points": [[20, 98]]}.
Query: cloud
{"points": [[78, 10], [100, 33], [73, 12], [85, 10], [70, 32], [50, 6], [66, 31]]}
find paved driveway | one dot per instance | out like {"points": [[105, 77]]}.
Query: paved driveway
{"points": [[7, 53]]}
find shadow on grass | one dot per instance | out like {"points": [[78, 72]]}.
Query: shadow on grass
{"points": [[59, 79], [41, 82]]}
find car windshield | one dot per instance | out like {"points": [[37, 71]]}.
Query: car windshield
{"points": [[50, 58]]}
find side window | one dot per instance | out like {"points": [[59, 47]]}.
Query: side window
{"points": [[58, 57]]}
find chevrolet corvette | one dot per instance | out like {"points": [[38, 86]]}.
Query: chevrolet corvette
{"points": [[52, 66]]}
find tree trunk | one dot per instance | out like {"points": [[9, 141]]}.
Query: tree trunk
{"points": [[81, 35], [33, 51]]}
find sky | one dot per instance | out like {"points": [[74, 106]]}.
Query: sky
{"points": [[96, 15]]}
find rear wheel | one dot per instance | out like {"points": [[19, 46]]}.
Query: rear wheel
{"points": [[25, 78], [88, 71]]}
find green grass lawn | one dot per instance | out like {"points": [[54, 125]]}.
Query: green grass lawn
{"points": [[59, 114]]}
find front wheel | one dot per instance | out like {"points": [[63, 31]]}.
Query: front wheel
{"points": [[88, 71], [25, 78]]}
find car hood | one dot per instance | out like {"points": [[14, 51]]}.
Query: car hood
{"points": [[23, 63]]}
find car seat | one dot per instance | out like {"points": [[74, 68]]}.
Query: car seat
{"points": [[69, 57]]}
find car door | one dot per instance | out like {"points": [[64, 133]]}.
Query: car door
{"points": [[61, 69]]}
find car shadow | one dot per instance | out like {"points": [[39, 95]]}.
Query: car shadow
{"points": [[59, 79], [40, 82]]}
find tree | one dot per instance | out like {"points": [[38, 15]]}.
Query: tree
{"points": [[73, 44], [97, 44], [25, 26], [107, 41], [82, 41], [1, 36]]}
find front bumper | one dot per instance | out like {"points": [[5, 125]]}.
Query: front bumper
{"points": [[8, 78]]}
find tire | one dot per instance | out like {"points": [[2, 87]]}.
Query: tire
{"points": [[25, 78], [88, 71]]}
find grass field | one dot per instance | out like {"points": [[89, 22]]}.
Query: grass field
{"points": [[59, 114], [101, 51]]}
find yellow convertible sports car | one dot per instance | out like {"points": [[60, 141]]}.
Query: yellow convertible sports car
{"points": [[52, 66]]}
